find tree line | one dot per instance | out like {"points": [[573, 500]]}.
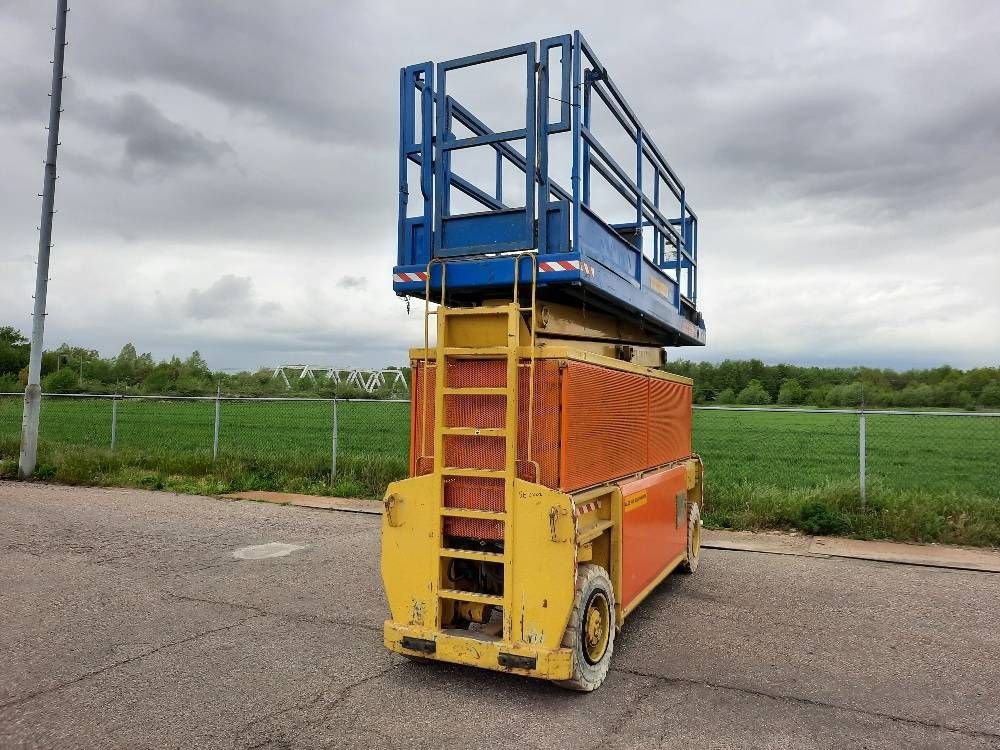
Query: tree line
{"points": [[73, 369], [751, 382]]}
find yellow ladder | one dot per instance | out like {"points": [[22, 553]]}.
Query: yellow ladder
{"points": [[507, 346]]}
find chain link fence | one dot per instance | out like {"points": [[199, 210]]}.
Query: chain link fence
{"points": [[782, 448], [931, 451]]}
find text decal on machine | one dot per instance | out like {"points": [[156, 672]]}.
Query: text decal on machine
{"points": [[635, 501]]}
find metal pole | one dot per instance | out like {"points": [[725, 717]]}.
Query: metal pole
{"points": [[215, 433], [114, 421], [33, 390], [861, 457], [333, 452]]}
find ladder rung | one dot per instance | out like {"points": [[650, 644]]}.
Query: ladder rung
{"points": [[479, 515], [475, 351], [476, 311], [470, 596], [475, 391], [475, 431], [455, 471], [466, 554]]}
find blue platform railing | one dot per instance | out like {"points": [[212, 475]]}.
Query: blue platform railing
{"points": [[554, 220]]}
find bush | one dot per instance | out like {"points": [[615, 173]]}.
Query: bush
{"points": [[990, 395], [964, 400], [728, 396], [9, 384], [754, 393], [914, 396], [791, 392], [61, 381], [845, 395]]}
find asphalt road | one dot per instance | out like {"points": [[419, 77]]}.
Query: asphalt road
{"points": [[127, 621]]}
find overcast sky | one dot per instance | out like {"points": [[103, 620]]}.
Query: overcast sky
{"points": [[228, 170]]}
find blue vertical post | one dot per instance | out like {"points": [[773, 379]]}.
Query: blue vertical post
{"points": [[657, 235], [575, 114], [427, 155], [680, 246], [543, 149], [694, 254], [440, 185], [586, 145], [405, 117], [688, 247], [638, 202], [498, 192], [531, 144]]}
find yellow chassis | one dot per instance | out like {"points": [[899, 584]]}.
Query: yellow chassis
{"points": [[553, 664], [552, 532]]}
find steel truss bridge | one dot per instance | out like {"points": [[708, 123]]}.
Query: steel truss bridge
{"points": [[367, 380]]}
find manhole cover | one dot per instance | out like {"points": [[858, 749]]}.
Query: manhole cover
{"points": [[264, 551]]}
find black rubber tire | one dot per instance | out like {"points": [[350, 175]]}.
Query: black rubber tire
{"points": [[693, 553], [590, 579]]}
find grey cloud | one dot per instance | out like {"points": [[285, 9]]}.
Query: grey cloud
{"points": [[297, 65], [150, 138], [25, 96], [352, 282], [832, 141], [228, 296], [825, 146]]}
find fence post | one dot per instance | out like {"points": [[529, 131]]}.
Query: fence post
{"points": [[862, 472], [333, 447], [114, 421], [215, 433]]}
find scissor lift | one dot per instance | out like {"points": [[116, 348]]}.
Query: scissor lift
{"points": [[552, 481]]}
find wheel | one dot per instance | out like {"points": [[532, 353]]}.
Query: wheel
{"points": [[591, 629], [690, 564]]}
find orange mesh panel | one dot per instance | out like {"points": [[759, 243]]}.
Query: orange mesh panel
{"points": [[477, 373], [592, 424], [545, 432], [479, 493], [470, 452], [475, 411], [474, 528], [419, 463], [605, 424], [487, 452], [669, 421], [490, 411]]}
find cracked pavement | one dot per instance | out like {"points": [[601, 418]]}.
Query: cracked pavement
{"points": [[125, 621]]}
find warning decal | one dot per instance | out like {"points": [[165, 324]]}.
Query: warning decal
{"points": [[635, 501]]}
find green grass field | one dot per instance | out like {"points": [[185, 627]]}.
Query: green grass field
{"points": [[930, 478]]}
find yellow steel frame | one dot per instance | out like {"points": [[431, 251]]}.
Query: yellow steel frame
{"points": [[550, 534], [539, 566], [550, 351]]}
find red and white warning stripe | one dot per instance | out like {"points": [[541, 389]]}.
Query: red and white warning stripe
{"points": [[559, 265], [584, 508], [418, 276], [546, 266], [565, 265]]}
